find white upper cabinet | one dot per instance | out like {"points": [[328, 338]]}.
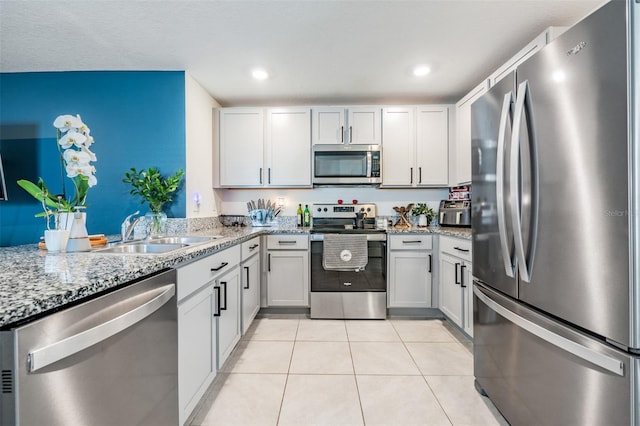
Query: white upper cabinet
{"points": [[398, 135], [415, 144], [340, 125], [241, 145], [288, 147], [432, 145], [462, 151], [265, 147]]}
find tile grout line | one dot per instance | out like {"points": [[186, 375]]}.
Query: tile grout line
{"points": [[286, 381], [355, 376]]}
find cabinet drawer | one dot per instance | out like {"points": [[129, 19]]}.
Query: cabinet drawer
{"points": [[251, 247], [411, 242], [456, 247], [288, 242], [194, 275]]}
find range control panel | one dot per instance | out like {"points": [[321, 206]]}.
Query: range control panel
{"points": [[342, 210]]}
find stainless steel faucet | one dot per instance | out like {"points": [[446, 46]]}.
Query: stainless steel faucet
{"points": [[127, 227]]}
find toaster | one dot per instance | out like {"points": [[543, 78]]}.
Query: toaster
{"points": [[455, 213]]}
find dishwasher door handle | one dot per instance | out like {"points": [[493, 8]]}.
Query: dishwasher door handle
{"points": [[61, 349]]}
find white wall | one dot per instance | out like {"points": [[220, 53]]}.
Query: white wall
{"points": [[199, 125], [234, 201]]}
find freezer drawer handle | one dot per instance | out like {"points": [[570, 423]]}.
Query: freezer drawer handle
{"points": [[603, 361], [61, 349]]}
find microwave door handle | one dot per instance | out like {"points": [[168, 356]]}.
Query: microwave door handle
{"points": [[505, 245], [369, 164]]}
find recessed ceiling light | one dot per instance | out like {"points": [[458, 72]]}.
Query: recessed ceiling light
{"points": [[421, 70], [259, 74]]}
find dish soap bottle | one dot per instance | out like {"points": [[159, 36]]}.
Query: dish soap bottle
{"points": [[300, 215], [307, 215]]}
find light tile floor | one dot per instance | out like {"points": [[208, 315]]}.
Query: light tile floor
{"points": [[317, 372]]}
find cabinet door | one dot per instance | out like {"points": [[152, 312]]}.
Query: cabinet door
{"points": [[241, 147], [467, 294], [196, 349], [450, 289], [462, 155], [328, 126], [410, 279], [432, 145], [229, 327], [364, 126], [250, 291], [288, 278], [288, 148], [398, 146]]}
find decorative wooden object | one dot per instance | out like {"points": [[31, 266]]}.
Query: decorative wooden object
{"points": [[403, 223]]}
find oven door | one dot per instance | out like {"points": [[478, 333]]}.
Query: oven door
{"points": [[373, 278]]}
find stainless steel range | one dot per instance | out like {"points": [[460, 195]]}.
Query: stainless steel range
{"points": [[348, 263]]}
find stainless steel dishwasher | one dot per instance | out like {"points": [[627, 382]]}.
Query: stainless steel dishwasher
{"points": [[110, 361]]}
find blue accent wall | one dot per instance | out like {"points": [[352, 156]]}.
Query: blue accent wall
{"points": [[136, 118]]}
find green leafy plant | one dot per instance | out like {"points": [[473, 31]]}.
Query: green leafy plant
{"points": [[154, 189], [422, 208]]}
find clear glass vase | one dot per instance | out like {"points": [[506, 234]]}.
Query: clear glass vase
{"points": [[156, 223], [75, 223]]}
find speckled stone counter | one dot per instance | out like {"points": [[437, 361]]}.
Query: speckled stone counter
{"points": [[442, 230], [34, 282]]}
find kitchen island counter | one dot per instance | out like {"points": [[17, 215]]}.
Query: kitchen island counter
{"points": [[34, 283]]}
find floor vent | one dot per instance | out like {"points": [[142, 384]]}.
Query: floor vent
{"points": [[7, 381]]}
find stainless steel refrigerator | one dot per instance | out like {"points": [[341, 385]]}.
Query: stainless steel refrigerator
{"points": [[556, 229]]}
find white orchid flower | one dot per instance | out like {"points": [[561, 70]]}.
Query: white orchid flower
{"points": [[90, 153], [76, 158], [93, 181], [66, 122], [72, 138], [89, 141]]}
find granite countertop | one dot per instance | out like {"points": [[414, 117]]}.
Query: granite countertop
{"points": [[450, 231], [33, 282]]}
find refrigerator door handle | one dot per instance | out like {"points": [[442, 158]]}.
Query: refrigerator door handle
{"points": [[601, 360], [523, 103], [500, 199], [54, 352]]}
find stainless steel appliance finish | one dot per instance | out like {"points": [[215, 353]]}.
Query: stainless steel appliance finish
{"points": [[348, 294], [347, 165], [454, 213], [555, 165], [111, 360]]}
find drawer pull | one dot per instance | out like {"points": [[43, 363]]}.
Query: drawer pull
{"points": [[411, 241], [286, 242], [461, 249], [222, 265], [253, 246]]}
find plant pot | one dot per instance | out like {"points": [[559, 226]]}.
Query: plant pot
{"points": [[422, 220], [157, 223], [56, 240], [75, 223]]}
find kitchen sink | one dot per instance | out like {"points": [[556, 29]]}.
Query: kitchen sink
{"points": [[141, 248], [180, 240]]}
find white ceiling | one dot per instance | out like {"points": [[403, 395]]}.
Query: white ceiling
{"points": [[317, 51]]}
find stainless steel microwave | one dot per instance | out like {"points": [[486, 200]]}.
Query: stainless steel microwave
{"points": [[346, 165]]}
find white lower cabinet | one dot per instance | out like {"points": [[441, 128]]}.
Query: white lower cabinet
{"points": [[200, 334], [456, 297], [197, 349], [228, 313], [250, 270], [288, 270], [410, 271]]}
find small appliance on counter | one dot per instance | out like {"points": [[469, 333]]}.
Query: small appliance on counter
{"points": [[455, 213]]}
